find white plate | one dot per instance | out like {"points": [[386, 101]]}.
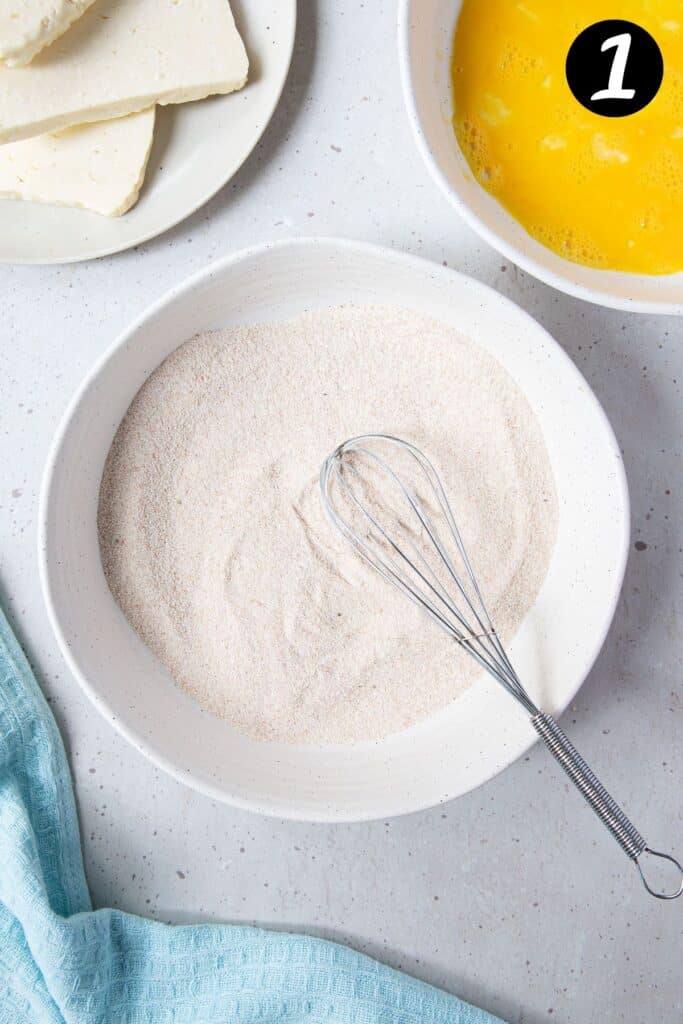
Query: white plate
{"points": [[197, 149], [425, 33], [484, 730]]}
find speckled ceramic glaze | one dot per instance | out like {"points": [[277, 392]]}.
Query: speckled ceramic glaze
{"points": [[483, 731]]}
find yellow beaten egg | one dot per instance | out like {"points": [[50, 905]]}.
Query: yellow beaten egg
{"points": [[602, 191]]}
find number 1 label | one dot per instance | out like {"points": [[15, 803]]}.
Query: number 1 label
{"points": [[615, 86], [630, 51]]}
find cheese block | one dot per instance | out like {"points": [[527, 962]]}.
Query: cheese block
{"points": [[99, 167], [122, 56], [28, 26]]}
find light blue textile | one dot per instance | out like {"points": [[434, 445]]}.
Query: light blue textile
{"points": [[63, 963]]}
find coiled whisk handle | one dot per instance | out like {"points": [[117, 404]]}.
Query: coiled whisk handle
{"points": [[595, 794]]}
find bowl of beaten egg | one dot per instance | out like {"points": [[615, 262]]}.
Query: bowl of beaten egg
{"points": [[590, 204]]}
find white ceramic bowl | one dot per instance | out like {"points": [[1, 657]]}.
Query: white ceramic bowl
{"points": [[426, 30], [484, 730]]}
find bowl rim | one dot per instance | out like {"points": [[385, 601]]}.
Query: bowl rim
{"points": [[511, 252], [145, 745]]}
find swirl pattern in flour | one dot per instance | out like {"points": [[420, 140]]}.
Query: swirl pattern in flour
{"points": [[215, 544]]}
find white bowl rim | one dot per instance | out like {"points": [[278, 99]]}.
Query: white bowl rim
{"points": [[145, 746], [511, 252]]}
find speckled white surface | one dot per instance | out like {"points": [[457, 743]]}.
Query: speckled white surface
{"points": [[513, 897]]}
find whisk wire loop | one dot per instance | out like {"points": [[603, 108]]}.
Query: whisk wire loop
{"points": [[463, 615], [449, 594]]}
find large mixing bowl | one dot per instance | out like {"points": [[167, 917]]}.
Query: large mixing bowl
{"points": [[481, 732]]}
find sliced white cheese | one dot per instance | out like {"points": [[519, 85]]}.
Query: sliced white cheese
{"points": [[99, 167], [122, 56], [28, 26]]}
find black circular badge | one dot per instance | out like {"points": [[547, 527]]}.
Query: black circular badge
{"points": [[614, 68]]}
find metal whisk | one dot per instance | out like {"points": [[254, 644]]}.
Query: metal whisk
{"points": [[412, 540]]}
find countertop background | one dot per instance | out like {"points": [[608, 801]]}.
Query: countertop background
{"points": [[512, 897]]}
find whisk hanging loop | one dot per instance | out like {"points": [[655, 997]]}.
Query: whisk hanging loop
{"points": [[415, 545]]}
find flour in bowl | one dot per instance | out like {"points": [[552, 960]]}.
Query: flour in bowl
{"points": [[216, 546]]}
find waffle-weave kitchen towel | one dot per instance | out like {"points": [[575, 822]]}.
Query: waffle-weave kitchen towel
{"points": [[61, 962]]}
